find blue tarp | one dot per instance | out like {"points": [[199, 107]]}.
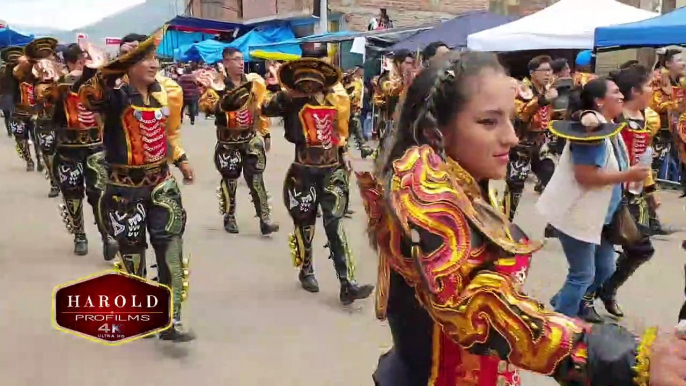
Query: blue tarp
{"points": [[292, 45], [177, 39], [665, 30], [454, 32], [211, 50], [10, 37]]}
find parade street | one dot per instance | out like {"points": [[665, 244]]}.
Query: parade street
{"points": [[255, 325]]}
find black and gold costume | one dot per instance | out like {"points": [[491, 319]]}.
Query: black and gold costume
{"points": [[388, 89], [79, 164], [355, 88], [637, 135], [317, 124], [141, 138], [21, 122], [534, 152], [41, 71], [241, 132]]}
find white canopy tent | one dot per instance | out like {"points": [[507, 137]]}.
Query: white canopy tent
{"points": [[567, 24]]}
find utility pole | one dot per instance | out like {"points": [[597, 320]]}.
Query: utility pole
{"points": [[323, 16]]}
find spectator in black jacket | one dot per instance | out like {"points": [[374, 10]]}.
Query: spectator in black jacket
{"points": [[191, 93]]}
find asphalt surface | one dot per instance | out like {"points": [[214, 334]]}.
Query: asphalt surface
{"points": [[255, 325]]}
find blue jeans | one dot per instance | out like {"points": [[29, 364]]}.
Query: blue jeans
{"points": [[590, 265]]}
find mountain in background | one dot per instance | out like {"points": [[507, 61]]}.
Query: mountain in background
{"points": [[143, 18], [37, 31]]}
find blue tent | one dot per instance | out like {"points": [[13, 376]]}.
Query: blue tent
{"points": [[173, 39], [210, 50], [454, 32], [10, 37], [665, 30]]}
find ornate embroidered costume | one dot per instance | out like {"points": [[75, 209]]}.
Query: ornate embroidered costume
{"points": [[41, 71], [638, 135], [355, 88], [669, 100], [535, 151], [21, 122], [388, 90], [141, 137], [241, 130], [450, 274], [317, 124], [79, 165]]}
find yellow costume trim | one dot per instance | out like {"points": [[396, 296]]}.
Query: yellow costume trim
{"points": [[172, 97], [259, 90], [340, 99], [642, 367]]}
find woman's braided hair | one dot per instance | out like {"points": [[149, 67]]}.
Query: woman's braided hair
{"points": [[433, 100]]}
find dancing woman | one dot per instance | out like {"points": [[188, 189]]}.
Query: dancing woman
{"points": [[451, 267]]}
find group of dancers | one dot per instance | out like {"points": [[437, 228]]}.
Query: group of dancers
{"points": [[110, 131], [451, 262]]}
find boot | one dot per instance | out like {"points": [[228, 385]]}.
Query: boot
{"points": [[260, 200], [54, 191], [366, 151], [230, 224], [41, 166], [349, 213], [110, 248], [308, 281], [227, 204], [351, 291], [588, 312], [627, 263], [80, 244], [177, 334], [30, 166], [268, 227]]}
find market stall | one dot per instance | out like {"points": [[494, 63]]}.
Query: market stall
{"points": [[668, 29], [665, 30], [567, 24]]}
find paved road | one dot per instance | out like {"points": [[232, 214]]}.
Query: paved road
{"points": [[255, 325]]}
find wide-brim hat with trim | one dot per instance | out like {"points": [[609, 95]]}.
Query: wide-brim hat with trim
{"points": [[235, 99], [41, 48], [123, 62], [11, 54], [294, 74], [576, 131]]}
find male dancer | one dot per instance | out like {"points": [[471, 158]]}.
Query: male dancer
{"points": [[316, 121], [79, 158], [353, 85], [390, 87], [40, 67], [243, 138], [533, 113], [142, 115], [21, 121]]}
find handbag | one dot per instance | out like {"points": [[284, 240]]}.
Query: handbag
{"points": [[622, 230]]}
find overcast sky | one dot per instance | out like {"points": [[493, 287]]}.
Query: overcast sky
{"points": [[60, 14]]}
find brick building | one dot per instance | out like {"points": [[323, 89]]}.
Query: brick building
{"points": [[233, 10]]}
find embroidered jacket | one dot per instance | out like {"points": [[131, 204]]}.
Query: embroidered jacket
{"points": [[137, 132], [249, 117], [451, 269], [317, 126]]}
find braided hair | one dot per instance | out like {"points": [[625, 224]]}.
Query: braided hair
{"points": [[435, 97]]}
